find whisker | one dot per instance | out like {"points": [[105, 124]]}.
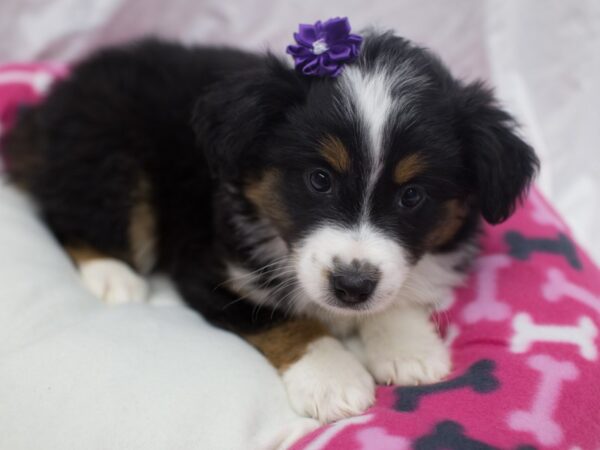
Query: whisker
{"points": [[255, 272]]}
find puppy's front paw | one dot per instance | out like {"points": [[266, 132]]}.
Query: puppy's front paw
{"points": [[113, 281], [423, 360], [328, 383]]}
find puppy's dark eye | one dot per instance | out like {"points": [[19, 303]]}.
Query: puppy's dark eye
{"points": [[320, 180], [411, 196]]}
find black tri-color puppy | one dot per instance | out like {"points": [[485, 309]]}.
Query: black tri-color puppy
{"points": [[292, 210]]}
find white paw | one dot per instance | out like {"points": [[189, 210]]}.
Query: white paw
{"points": [[113, 281], [328, 383], [423, 360]]}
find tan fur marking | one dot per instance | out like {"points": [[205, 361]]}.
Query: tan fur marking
{"points": [[335, 153], [142, 230], [80, 253], [263, 194], [456, 213], [285, 344], [408, 168]]}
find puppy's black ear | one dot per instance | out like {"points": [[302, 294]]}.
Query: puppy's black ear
{"points": [[235, 115], [500, 164]]}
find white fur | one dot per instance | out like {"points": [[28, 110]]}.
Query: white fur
{"points": [[113, 281], [315, 256], [370, 92], [380, 95], [401, 346], [431, 280], [247, 284], [328, 383]]}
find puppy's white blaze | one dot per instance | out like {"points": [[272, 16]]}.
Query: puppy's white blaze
{"points": [[380, 96], [315, 259], [371, 94]]}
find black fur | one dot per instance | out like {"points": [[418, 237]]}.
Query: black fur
{"points": [[199, 124]]}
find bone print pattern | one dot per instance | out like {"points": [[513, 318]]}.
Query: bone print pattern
{"points": [[514, 307], [522, 247], [479, 377], [582, 335], [557, 287], [450, 435], [486, 305], [539, 420], [376, 438], [528, 264]]}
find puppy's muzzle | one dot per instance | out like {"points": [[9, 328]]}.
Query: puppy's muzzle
{"points": [[354, 283]]}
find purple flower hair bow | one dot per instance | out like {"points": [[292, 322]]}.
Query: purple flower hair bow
{"points": [[324, 48]]}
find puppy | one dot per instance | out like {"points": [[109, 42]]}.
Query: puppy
{"points": [[294, 211]]}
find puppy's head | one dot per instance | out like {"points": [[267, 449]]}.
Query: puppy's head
{"points": [[364, 174]]}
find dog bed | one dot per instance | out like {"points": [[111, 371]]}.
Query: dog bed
{"points": [[523, 331]]}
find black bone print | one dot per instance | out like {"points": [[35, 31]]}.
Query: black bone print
{"points": [[479, 377], [521, 247], [449, 435]]}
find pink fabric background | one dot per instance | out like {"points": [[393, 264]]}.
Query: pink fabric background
{"points": [[548, 395]]}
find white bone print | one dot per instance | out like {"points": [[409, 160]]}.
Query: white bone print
{"points": [[526, 333], [558, 287], [376, 438], [539, 420], [486, 305]]}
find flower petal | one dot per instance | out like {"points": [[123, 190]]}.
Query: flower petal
{"points": [[335, 47], [340, 53], [311, 67], [328, 66], [307, 34], [336, 29], [297, 50], [354, 39]]}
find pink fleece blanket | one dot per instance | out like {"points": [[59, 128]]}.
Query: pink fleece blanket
{"points": [[523, 331]]}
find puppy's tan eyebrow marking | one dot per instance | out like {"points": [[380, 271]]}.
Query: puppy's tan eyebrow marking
{"points": [[335, 153], [408, 168]]}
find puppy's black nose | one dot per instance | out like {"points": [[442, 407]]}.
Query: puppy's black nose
{"points": [[353, 287]]}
